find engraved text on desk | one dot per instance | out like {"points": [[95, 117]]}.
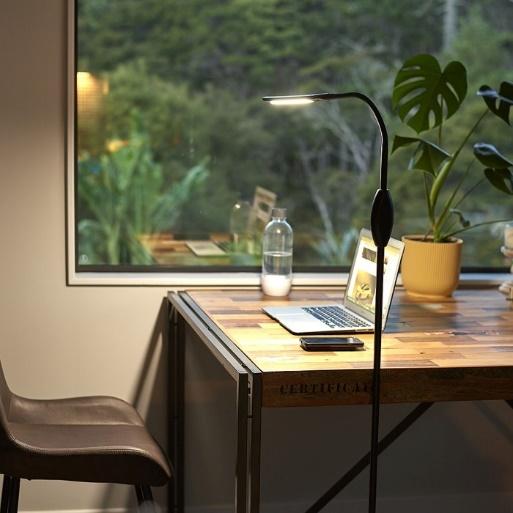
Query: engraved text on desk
{"points": [[324, 388]]}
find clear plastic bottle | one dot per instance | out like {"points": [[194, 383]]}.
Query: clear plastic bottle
{"points": [[277, 255]]}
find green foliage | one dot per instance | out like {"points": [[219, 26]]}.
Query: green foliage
{"points": [[424, 95], [484, 41], [195, 71], [436, 97], [123, 195], [427, 156], [490, 156], [338, 250], [498, 102], [497, 169]]}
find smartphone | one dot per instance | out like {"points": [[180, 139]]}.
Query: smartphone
{"points": [[331, 343]]}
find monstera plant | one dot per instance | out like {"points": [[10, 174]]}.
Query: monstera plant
{"points": [[424, 97]]}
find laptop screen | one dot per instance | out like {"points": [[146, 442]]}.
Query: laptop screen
{"points": [[362, 280]]}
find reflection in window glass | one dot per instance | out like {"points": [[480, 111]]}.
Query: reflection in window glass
{"points": [[179, 161]]}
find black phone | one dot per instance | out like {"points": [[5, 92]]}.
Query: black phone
{"points": [[331, 343]]}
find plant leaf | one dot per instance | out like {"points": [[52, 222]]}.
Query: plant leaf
{"points": [[488, 155], [498, 102], [426, 157], [464, 222], [501, 179], [497, 167], [400, 141], [424, 95]]}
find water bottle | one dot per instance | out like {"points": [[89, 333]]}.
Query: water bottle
{"points": [[277, 255]]}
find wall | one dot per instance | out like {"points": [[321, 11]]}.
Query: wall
{"points": [[57, 340]]}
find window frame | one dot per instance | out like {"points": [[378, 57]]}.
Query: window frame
{"points": [[110, 275], [193, 276]]}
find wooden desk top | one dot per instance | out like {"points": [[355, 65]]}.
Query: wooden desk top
{"points": [[457, 349]]}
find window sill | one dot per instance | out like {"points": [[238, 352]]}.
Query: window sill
{"points": [[192, 280]]}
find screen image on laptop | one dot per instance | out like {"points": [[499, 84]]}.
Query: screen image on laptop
{"points": [[361, 286]]}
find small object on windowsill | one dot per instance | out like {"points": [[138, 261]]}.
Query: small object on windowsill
{"points": [[204, 248], [507, 287], [508, 237]]}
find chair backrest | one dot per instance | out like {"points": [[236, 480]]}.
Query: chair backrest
{"points": [[5, 405], [263, 203]]}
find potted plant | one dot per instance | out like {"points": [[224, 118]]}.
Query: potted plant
{"points": [[424, 97]]}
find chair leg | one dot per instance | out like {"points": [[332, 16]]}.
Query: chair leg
{"points": [[138, 492], [10, 494], [6, 494], [144, 499], [15, 493]]}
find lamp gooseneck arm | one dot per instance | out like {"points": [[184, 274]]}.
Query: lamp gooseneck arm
{"points": [[350, 94], [382, 220], [383, 178]]}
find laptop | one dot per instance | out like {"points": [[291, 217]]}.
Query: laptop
{"points": [[356, 313]]}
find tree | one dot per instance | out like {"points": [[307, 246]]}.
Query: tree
{"points": [[123, 195], [195, 71]]}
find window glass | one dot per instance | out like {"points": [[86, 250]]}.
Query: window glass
{"points": [[178, 161]]}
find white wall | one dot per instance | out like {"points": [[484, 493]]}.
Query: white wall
{"points": [[57, 340]]}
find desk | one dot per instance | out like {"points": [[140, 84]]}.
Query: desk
{"points": [[460, 349]]}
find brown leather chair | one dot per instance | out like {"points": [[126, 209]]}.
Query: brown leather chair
{"points": [[96, 439]]}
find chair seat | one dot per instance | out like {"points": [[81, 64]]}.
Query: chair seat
{"points": [[75, 410], [97, 439], [108, 452]]}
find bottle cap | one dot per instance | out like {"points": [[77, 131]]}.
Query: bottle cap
{"points": [[280, 213]]}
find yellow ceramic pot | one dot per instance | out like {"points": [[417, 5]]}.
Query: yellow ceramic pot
{"points": [[430, 269]]}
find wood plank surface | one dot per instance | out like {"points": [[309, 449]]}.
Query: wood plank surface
{"points": [[460, 348]]}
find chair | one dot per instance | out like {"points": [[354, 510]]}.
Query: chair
{"points": [[96, 439], [263, 204]]}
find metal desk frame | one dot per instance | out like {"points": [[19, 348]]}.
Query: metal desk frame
{"points": [[248, 378]]}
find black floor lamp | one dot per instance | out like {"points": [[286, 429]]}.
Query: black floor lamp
{"points": [[382, 220]]}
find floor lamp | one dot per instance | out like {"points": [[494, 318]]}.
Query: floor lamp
{"points": [[382, 220]]}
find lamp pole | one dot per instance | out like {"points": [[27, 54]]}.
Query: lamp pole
{"points": [[382, 220]]}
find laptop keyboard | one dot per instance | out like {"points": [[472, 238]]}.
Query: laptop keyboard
{"points": [[336, 317]]}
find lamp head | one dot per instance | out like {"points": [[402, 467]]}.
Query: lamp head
{"points": [[288, 100], [303, 99]]}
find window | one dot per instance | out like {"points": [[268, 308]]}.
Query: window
{"points": [[175, 154]]}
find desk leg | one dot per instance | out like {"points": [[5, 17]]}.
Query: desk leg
{"points": [[176, 408], [241, 481], [510, 402], [255, 440], [365, 460]]}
